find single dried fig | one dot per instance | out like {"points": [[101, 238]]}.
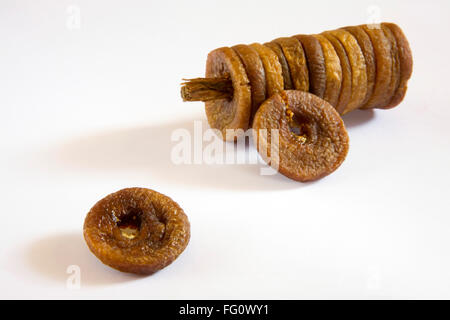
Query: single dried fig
{"points": [[272, 68], [383, 90], [358, 66], [369, 57], [275, 47], [395, 71], [136, 230], [256, 75], [300, 135], [234, 112], [333, 71], [296, 59], [406, 63], [346, 84], [316, 64]]}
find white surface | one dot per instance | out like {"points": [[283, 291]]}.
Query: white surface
{"points": [[85, 112]]}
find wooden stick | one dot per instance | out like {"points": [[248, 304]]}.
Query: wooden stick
{"points": [[206, 89]]}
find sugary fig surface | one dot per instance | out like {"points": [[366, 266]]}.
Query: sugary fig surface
{"points": [[275, 47], [316, 64], [369, 58], [136, 230], [358, 65], [272, 69], [296, 59], [382, 92], [256, 75], [406, 63], [312, 139], [333, 71], [346, 84], [231, 113]]}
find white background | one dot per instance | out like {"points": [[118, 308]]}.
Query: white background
{"points": [[87, 111]]}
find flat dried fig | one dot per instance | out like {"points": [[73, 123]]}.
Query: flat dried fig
{"points": [[316, 64], [383, 90], [296, 59], [231, 113], [255, 72], [312, 139], [369, 57], [346, 84], [272, 69], [275, 47], [136, 230], [333, 71], [358, 65], [406, 63], [395, 71]]}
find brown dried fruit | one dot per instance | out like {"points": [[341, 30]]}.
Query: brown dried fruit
{"points": [[346, 84], [406, 63], [316, 64], [358, 66], [272, 69], [295, 56], [363, 67], [231, 113], [383, 91], [395, 71], [313, 141], [255, 72], [275, 47], [136, 230], [369, 57], [333, 71]]}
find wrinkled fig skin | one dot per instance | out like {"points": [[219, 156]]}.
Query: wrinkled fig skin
{"points": [[164, 231], [383, 91], [333, 71], [358, 66], [231, 113], [406, 63], [326, 141], [395, 71], [316, 64], [256, 75], [272, 69], [275, 47], [346, 84], [369, 58], [296, 59]]}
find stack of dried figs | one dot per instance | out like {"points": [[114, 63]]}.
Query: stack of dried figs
{"points": [[299, 86]]}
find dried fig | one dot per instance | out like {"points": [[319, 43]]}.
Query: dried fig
{"points": [[136, 230], [346, 84], [316, 64], [256, 75], [226, 113], [284, 65], [333, 71], [301, 135], [272, 68], [296, 59], [358, 66]]}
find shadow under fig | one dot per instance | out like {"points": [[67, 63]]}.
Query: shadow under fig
{"points": [[147, 150], [52, 255], [358, 117]]}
